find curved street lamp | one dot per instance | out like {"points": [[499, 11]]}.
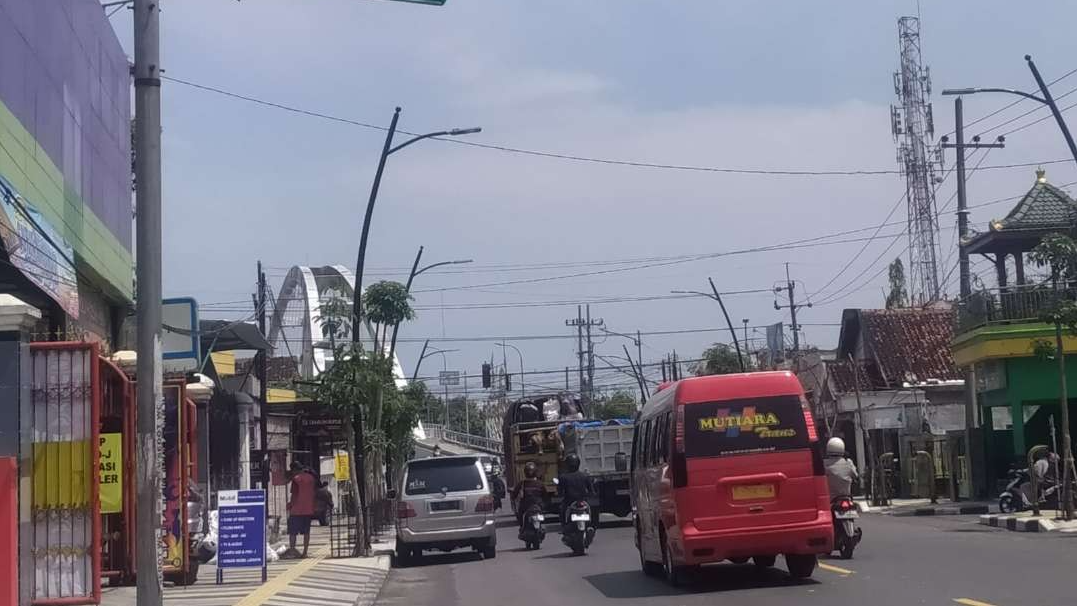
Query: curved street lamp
{"points": [[387, 150], [503, 346]]}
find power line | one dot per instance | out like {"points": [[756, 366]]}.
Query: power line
{"points": [[570, 157]]}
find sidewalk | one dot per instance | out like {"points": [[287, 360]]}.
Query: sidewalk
{"points": [[313, 581], [1024, 521], [924, 507]]}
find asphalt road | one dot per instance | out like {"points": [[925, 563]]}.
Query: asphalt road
{"points": [[902, 561]]}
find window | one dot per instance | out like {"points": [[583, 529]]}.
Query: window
{"points": [[656, 430], [666, 428], [753, 425], [635, 447], [431, 476], [645, 443]]}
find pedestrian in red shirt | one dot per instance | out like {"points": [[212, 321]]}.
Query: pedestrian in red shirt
{"points": [[300, 507]]}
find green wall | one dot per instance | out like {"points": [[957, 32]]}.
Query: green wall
{"points": [[26, 165]]}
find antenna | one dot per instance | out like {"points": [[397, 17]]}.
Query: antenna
{"points": [[912, 124]]}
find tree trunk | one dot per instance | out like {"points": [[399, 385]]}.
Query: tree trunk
{"points": [[349, 431]]}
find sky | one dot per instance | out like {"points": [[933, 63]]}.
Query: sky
{"points": [[755, 85]]}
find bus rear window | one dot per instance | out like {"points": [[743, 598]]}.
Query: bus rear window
{"points": [[753, 425]]}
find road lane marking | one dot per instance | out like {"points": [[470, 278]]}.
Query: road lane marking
{"points": [[971, 602], [840, 570]]}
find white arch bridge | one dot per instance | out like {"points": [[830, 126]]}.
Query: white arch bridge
{"points": [[295, 327]]}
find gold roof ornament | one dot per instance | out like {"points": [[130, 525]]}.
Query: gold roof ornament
{"points": [[1041, 175]]}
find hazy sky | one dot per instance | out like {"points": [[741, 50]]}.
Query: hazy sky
{"points": [[765, 85]]}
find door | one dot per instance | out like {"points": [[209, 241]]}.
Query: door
{"points": [[749, 464]]}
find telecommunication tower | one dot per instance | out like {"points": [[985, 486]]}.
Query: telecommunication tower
{"points": [[913, 127]]}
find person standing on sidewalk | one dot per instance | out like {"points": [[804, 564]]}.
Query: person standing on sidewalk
{"points": [[300, 508]]}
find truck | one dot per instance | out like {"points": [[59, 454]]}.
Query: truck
{"points": [[535, 431]]}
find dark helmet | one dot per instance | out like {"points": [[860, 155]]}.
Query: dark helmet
{"points": [[572, 462], [530, 469]]}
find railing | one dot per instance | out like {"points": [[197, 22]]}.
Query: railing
{"points": [[1012, 304], [438, 432]]}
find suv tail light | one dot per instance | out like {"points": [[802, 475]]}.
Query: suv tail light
{"points": [[404, 510], [485, 504]]}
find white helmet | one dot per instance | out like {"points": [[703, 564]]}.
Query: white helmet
{"points": [[835, 447]]}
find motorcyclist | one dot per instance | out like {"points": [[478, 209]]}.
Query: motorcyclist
{"points": [[573, 485], [528, 492], [840, 470]]}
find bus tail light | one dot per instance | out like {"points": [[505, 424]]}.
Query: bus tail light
{"points": [[679, 462], [813, 435]]}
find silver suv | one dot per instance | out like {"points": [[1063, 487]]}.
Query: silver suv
{"points": [[444, 504]]}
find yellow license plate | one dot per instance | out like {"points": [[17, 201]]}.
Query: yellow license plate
{"points": [[753, 491]]}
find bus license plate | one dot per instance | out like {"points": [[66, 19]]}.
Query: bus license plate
{"points": [[751, 492]]}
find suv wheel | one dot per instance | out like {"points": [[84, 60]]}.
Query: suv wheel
{"points": [[674, 574], [489, 551]]}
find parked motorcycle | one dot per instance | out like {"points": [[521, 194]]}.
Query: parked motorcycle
{"points": [[578, 529], [531, 531], [847, 533], [1013, 497]]}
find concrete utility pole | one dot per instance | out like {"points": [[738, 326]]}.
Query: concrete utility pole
{"points": [[793, 306], [148, 298], [591, 357], [263, 381], [963, 264], [868, 450]]}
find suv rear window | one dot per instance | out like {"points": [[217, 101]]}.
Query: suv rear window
{"points": [[753, 425], [432, 476]]}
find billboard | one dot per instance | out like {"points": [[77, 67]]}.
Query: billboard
{"points": [[65, 130]]}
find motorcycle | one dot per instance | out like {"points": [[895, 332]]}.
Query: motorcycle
{"points": [[531, 531], [847, 533], [578, 529], [1014, 499]]}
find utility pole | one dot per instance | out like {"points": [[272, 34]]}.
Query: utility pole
{"points": [[963, 265], [566, 378], [868, 450], [148, 299], [793, 306], [261, 368], [747, 351], [591, 357], [583, 328]]}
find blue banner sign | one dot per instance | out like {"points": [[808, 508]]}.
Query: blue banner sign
{"points": [[241, 524]]}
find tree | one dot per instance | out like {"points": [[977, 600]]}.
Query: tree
{"points": [[619, 405], [1058, 253], [718, 359], [899, 294], [386, 304]]}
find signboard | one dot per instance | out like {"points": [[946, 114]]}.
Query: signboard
{"points": [[38, 250], [110, 476], [321, 425], [776, 343], [241, 525], [341, 470], [179, 334], [449, 377], [174, 492]]}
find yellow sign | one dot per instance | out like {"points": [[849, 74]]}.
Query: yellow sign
{"points": [[341, 470], [111, 473], [749, 420]]}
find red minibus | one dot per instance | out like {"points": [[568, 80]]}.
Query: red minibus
{"points": [[729, 467]]}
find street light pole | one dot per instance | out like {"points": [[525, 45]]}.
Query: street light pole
{"points": [[387, 150], [407, 289], [148, 299], [504, 345], [715, 295]]}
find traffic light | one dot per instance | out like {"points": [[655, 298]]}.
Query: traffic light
{"points": [[486, 382], [508, 382]]}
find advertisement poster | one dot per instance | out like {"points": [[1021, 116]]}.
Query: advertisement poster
{"points": [[110, 478], [42, 256], [172, 530], [242, 520]]}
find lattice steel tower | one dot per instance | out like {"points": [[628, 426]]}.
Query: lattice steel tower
{"points": [[913, 129]]}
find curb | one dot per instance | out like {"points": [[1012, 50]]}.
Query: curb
{"points": [[1016, 524], [962, 510]]}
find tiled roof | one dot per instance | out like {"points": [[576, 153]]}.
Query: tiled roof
{"points": [[910, 344], [1043, 206], [842, 380], [279, 369]]}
